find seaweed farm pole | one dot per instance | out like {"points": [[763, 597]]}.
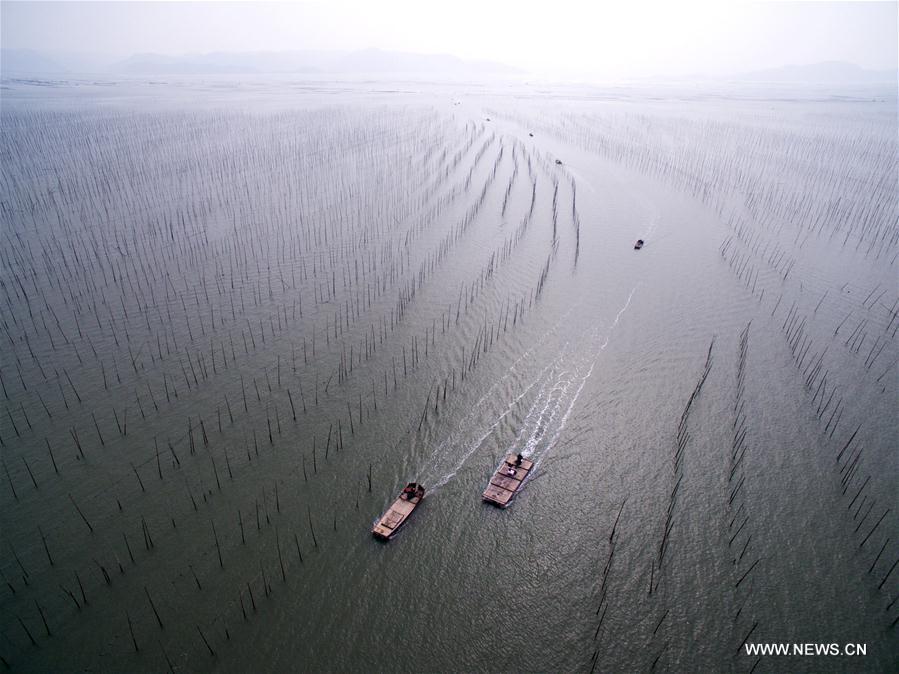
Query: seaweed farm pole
{"points": [[97, 426], [203, 637], [81, 513], [194, 574], [615, 526], [46, 549], [71, 596], [280, 558], [888, 573], [74, 434], [746, 638], [131, 630], [265, 586], [43, 618], [425, 411], [877, 559], [153, 606], [218, 547], [9, 479], [311, 529], [81, 588], [22, 568], [128, 546], [139, 481], [30, 474], [292, 410], [148, 540], [296, 541], [52, 458]]}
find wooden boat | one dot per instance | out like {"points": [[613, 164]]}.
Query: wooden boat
{"points": [[398, 512], [639, 244], [507, 480]]}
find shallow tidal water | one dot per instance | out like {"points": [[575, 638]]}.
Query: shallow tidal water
{"points": [[239, 317]]}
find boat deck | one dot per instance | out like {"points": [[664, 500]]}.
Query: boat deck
{"points": [[505, 484], [395, 516]]}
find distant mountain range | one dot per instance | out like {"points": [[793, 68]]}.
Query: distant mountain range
{"points": [[28, 62]]}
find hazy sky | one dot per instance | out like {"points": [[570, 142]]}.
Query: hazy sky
{"points": [[606, 38]]}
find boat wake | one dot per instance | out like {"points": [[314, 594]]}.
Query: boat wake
{"points": [[558, 386], [549, 414], [444, 455]]}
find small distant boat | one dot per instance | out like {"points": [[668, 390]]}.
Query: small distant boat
{"points": [[639, 244], [559, 162], [397, 514], [507, 480]]}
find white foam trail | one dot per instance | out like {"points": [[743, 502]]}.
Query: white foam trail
{"points": [[469, 420], [549, 412], [532, 446], [474, 446], [617, 318]]}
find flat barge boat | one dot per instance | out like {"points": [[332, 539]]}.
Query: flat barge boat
{"points": [[399, 511], [507, 480]]}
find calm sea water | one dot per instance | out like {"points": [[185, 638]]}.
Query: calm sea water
{"points": [[238, 318]]}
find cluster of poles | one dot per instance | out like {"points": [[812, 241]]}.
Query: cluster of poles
{"points": [[189, 346]]}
